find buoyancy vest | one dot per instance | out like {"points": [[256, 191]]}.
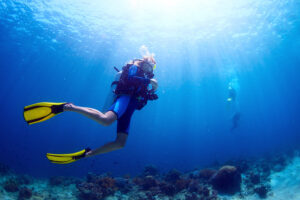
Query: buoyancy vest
{"points": [[127, 85]]}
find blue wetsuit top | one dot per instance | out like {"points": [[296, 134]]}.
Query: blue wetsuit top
{"points": [[125, 105]]}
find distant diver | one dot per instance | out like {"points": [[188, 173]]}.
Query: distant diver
{"points": [[235, 120], [231, 94], [131, 93], [232, 99]]}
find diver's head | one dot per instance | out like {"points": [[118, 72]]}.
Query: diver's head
{"points": [[148, 64]]}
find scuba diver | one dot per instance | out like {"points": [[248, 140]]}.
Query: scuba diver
{"points": [[232, 99], [131, 93], [235, 120], [231, 94]]}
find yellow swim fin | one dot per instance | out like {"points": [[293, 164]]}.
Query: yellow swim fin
{"points": [[40, 112], [67, 158]]}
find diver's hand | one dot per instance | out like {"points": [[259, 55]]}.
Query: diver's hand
{"points": [[154, 84], [69, 107]]}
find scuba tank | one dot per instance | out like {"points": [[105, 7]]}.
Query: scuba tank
{"points": [[124, 85]]}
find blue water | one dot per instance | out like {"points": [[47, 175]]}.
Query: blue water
{"points": [[64, 51]]}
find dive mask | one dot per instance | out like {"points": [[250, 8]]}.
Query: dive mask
{"points": [[151, 64]]}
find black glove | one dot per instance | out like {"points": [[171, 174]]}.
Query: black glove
{"points": [[152, 96]]}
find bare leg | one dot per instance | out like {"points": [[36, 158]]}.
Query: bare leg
{"points": [[104, 119], [111, 146]]}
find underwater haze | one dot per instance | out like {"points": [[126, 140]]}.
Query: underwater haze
{"points": [[65, 51]]}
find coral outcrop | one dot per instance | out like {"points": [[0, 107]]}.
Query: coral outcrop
{"points": [[25, 193], [11, 185], [96, 187], [206, 174], [227, 180]]}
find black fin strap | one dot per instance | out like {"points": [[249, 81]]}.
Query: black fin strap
{"points": [[57, 108], [82, 155]]}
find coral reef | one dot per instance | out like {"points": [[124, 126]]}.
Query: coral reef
{"points": [[182, 184], [262, 190], [23, 179], [172, 176], [25, 193], [149, 182], [150, 170], [123, 184], [172, 184], [227, 180], [206, 174], [167, 189], [96, 187], [62, 181], [11, 185], [238, 179]]}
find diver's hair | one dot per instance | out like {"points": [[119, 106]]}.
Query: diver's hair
{"points": [[147, 56]]}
